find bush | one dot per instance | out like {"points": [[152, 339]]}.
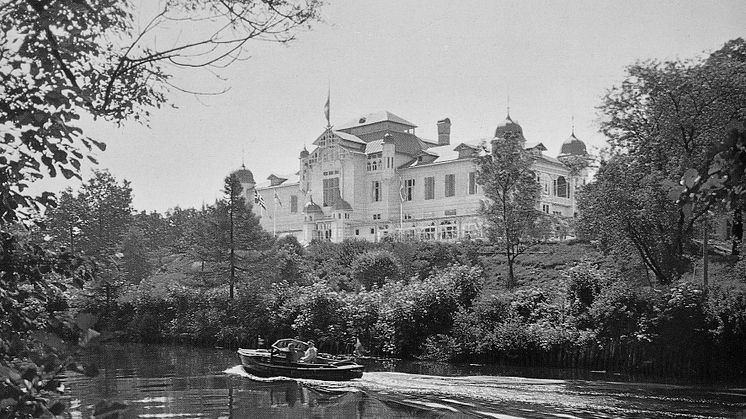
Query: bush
{"points": [[374, 268], [727, 313], [623, 313]]}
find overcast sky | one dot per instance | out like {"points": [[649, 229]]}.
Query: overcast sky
{"points": [[421, 60]]}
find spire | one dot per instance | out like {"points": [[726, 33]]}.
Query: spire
{"points": [[508, 117]]}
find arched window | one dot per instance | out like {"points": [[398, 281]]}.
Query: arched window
{"points": [[562, 188]]}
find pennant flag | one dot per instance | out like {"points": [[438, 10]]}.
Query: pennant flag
{"points": [[326, 107], [401, 190], [259, 200], [277, 200]]}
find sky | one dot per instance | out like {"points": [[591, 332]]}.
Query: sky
{"points": [[421, 60]]}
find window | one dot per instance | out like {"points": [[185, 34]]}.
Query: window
{"points": [[407, 216], [448, 230], [562, 188], [331, 191], [429, 188], [376, 190], [409, 190], [375, 162], [450, 185], [472, 183], [372, 231], [556, 213], [357, 231], [545, 208], [428, 233], [376, 216], [293, 203]]}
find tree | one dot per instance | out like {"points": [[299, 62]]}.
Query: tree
{"points": [[666, 125], [66, 220], [628, 207], [668, 118], [724, 178], [98, 218], [32, 354], [60, 60], [135, 263], [229, 235], [513, 193]]}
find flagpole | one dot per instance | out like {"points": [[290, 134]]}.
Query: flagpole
{"points": [[274, 213], [401, 208]]}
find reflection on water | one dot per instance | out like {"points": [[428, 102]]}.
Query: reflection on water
{"points": [[175, 382]]}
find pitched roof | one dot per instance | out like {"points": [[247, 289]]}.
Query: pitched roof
{"points": [[375, 146], [551, 159], [348, 137], [536, 145], [290, 179], [372, 118], [405, 143]]}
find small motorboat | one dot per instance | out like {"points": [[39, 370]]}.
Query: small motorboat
{"points": [[283, 360]]}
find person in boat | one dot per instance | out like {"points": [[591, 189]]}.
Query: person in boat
{"points": [[310, 356], [293, 353]]}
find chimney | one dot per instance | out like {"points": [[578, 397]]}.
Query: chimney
{"points": [[444, 131]]}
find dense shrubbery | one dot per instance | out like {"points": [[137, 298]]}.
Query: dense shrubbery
{"points": [[592, 318]]}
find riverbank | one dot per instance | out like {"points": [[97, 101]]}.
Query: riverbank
{"points": [[572, 309]]}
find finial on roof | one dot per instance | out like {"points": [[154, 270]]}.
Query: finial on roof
{"points": [[508, 106], [573, 125]]}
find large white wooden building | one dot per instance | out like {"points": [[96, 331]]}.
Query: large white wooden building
{"points": [[373, 177]]}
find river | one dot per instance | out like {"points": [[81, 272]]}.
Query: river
{"points": [[160, 381]]}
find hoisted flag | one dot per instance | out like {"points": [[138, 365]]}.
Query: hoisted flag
{"points": [[259, 200], [277, 200], [326, 107]]}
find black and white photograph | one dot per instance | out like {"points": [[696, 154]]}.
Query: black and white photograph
{"points": [[501, 209]]}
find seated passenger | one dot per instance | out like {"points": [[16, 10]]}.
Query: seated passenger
{"points": [[293, 354], [310, 355]]}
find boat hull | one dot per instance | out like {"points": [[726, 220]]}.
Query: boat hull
{"points": [[262, 364]]}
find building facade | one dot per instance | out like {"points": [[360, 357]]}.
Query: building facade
{"points": [[373, 178]]}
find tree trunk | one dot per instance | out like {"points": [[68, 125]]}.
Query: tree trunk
{"points": [[511, 276], [508, 254], [737, 231], [705, 256], [233, 249]]}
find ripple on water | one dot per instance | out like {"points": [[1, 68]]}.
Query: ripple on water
{"points": [[166, 381]]}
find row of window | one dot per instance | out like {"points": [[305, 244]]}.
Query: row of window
{"points": [[376, 162], [447, 213], [449, 187]]}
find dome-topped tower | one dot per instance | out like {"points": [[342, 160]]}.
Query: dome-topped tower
{"points": [[244, 175], [508, 126], [312, 208], [573, 147], [341, 205]]}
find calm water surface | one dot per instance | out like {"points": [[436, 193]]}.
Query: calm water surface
{"points": [[158, 381]]}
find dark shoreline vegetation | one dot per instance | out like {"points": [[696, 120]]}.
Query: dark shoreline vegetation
{"points": [[569, 310]]}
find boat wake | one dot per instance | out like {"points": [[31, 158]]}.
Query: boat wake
{"points": [[512, 397]]}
